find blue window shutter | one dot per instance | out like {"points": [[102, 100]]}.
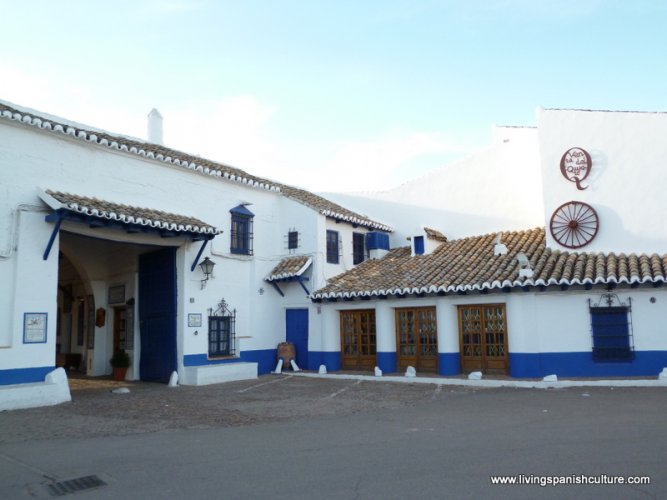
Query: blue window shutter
{"points": [[419, 245], [376, 240], [241, 233], [611, 334]]}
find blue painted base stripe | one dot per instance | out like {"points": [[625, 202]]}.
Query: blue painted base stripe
{"points": [[581, 364], [449, 363], [330, 359], [522, 365], [387, 362], [25, 375], [266, 359]]}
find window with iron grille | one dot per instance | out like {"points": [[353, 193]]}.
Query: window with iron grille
{"points": [[332, 247], [611, 330], [241, 233], [292, 240], [222, 330], [358, 248]]}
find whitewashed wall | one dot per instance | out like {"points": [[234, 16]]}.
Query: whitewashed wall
{"points": [[627, 182], [537, 322], [33, 159], [495, 189]]}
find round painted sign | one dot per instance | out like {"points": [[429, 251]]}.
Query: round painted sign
{"points": [[575, 165]]}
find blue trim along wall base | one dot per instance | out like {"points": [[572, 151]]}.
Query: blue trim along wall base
{"points": [[330, 359], [581, 364], [387, 361], [25, 375], [449, 363]]}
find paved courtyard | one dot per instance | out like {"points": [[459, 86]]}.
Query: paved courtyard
{"points": [[294, 437]]}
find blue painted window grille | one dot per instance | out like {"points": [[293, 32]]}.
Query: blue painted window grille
{"points": [[222, 331], [358, 248], [611, 328], [242, 231], [333, 252]]}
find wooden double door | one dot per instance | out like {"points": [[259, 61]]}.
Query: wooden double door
{"points": [[483, 338], [417, 338], [358, 339]]}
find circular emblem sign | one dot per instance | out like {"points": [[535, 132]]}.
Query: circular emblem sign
{"points": [[575, 165], [574, 224]]}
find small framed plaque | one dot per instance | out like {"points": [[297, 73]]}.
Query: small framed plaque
{"points": [[194, 319], [117, 294], [34, 328]]}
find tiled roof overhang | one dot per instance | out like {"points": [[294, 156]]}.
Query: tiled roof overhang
{"points": [[173, 157], [290, 267], [469, 265], [133, 219]]}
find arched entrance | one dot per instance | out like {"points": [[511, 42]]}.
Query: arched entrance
{"points": [[116, 296]]}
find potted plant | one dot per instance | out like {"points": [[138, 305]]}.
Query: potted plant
{"points": [[120, 361]]}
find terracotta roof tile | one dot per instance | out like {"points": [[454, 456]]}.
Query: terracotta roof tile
{"points": [[126, 214], [290, 267], [434, 234], [191, 162], [469, 264]]}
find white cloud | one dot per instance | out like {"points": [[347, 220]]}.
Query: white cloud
{"points": [[69, 99], [230, 130]]}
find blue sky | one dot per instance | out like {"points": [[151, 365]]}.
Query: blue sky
{"points": [[331, 95]]}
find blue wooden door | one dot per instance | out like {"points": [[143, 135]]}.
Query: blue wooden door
{"points": [[157, 314], [297, 332]]}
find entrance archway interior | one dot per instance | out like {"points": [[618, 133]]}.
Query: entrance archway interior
{"points": [[97, 292]]}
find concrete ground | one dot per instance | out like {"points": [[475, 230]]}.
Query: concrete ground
{"points": [[295, 437]]}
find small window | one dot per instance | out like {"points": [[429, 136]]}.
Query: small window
{"points": [[332, 247], [358, 248], [611, 334], [241, 233], [292, 240], [220, 336], [419, 245]]}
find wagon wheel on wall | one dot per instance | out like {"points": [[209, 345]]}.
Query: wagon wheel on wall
{"points": [[574, 224]]}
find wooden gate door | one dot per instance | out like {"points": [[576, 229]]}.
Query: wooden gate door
{"points": [[357, 338], [157, 314], [483, 338], [417, 338]]}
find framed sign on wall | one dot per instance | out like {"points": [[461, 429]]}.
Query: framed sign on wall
{"points": [[34, 328]]}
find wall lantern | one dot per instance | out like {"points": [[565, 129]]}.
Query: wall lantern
{"points": [[207, 266]]}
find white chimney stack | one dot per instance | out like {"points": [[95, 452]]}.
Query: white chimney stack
{"points": [[155, 127]]}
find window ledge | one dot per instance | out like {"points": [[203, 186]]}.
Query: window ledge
{"points": [[221, 358]]}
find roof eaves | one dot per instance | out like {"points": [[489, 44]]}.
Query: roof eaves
{"points": [[136, 147]]}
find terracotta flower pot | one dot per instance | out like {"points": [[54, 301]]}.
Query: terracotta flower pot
{"points": [[119, 373]]}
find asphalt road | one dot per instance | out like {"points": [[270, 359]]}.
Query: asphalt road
{"points": [[349, 440]]}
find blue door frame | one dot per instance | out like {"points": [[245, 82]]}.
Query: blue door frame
{"points": [[296, 324], [157, 314]]}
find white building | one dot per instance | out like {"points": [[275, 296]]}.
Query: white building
{"points": [[580, 296], [102, 238]]}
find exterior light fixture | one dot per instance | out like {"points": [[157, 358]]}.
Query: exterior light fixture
{"points": [[207, 266]]}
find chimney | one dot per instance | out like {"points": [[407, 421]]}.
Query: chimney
{"points": [[155, 127]]}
